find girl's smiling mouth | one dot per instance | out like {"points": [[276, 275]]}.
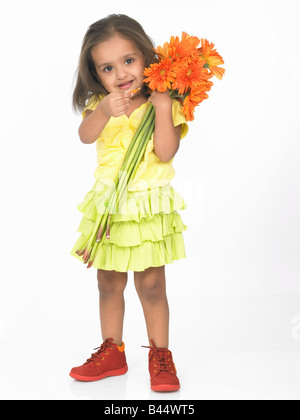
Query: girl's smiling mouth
{"points": [[126, 85]]}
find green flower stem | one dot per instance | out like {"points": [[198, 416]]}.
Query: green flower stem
{"points": [[95, 230], [101, 225], [133, 145], [137, 155], [81, 250], [143, 146], [134, 155], [94, 251], [130, 165], [175, 95], [144, 137], [132, 150]]}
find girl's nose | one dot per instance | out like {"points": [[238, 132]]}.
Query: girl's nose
{"points": [[121, 72]]}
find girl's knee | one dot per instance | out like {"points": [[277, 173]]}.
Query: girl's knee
{"points": [[150, 286], [111, 282]]}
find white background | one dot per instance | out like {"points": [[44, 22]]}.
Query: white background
{"points": [[235, 300]]}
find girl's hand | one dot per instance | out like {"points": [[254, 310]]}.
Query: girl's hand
{"points": [[116, 104], [160, 99]]}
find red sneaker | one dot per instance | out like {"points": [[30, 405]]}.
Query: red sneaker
{"points": [[109, 360], [162, 370]]}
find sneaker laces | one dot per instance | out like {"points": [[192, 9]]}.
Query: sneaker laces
{"points": [[102, 349], [162, 357]]}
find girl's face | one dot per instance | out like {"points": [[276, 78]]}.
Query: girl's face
{"points": [[119, 64]]}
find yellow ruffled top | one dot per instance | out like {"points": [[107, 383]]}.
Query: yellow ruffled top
{"points": [[113, 142]]}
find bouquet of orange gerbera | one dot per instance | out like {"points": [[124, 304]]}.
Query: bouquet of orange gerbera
{"points": [[185, 69]]}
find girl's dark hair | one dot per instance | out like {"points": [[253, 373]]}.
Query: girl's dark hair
{"points": [[88, 82]]}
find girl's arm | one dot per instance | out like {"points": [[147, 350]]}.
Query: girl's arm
{"points": [[92, 125], [113, 105], [166, 136]]}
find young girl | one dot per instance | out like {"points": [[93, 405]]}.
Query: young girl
{"points": [[114, 54]]}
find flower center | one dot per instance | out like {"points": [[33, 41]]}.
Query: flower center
{"points": [[163, 72]]}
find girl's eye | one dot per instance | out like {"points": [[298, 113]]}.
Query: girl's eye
{"points": [[109, 68]]}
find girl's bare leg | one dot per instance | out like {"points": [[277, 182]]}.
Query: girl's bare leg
{"points": [[111, 286], [151, 288]]}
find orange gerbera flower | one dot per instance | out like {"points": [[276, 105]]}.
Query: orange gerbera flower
{"points": [[188, 45], [163, 52], [179, 50], [168, 50], [185, 68], [160, 75], [195, 97], [213, 59], [189, 74], [188, 109]]}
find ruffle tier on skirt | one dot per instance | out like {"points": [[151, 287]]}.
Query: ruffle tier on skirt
{"points": [[147, 231]]}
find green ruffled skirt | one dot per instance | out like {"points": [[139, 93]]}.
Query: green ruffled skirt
{"points": [[147, 232]]}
